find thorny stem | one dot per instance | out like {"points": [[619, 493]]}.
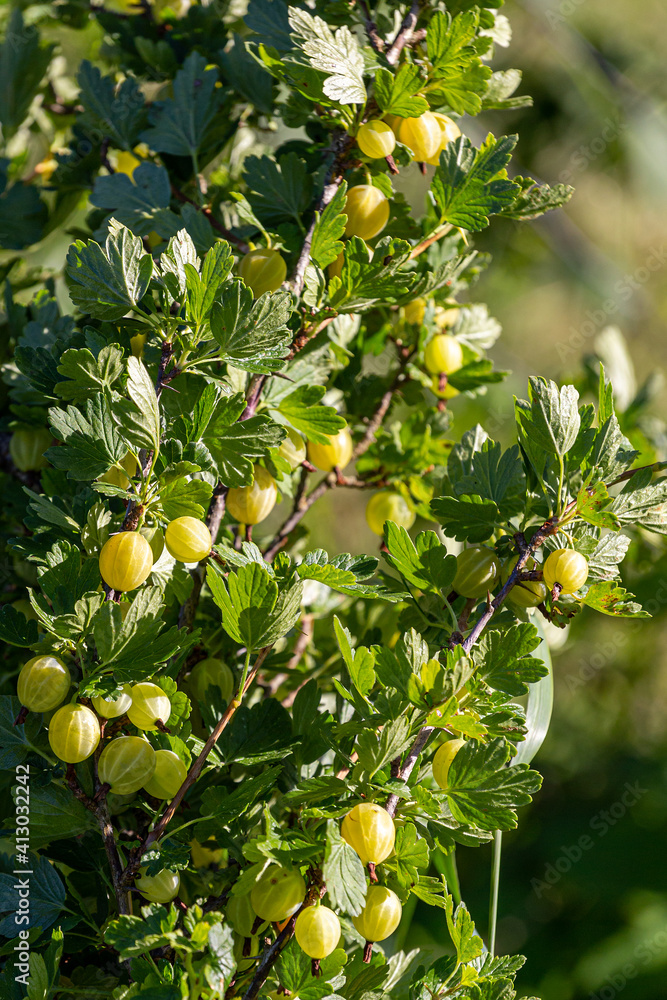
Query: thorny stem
{"points": [[405, 33]]}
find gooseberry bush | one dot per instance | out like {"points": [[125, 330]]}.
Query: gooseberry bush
{"points": [[238, 761]]}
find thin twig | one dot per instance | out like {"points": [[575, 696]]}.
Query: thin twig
{"points": [[405, 34], [408, 765], [377, 44]]}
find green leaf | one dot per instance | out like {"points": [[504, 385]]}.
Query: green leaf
{"points": [[459, 76], [610, 599], [483, 792], [88, 374], [23, 63], [533, 200], [471, 184], [15, 628], [252, 335], [106, 282], [593, 503], [66, 576], [131, 936], [185, 498], [280, 189], [411, 854], [466, 940], [343, 873], [359, 662], [136, 644], [139, 416], [365, 282], [47, 897], [326, 244], [140, 202], [16, 742], [180, 124], [254, 612], [504, 661], [303, 410], [258, 734], [398, 94], [117, 113], [23, 215], [56, 815], [234, 447], [466, 518], [376, 751], [228, 808], [498, 476], [550, 418], [336, 54]]}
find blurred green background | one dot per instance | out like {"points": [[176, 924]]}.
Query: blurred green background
{"points": [[583, 882]]}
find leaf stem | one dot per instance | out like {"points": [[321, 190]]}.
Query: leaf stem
{"points": [[495, 887]]}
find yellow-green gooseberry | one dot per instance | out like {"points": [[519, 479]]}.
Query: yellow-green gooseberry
{"points": [[317, 931], [444, 756], [477, 570], [160, 888], [251, 504], [443, 353], [370, 830], [367, 211], [169, 774], [112, 708], [126, 764], [335, 454], [263, 271], [126, 561], [188, 539], [567, 568], [43, 683], [74, 732], [388, 506], [149, 705], [376, 139]]}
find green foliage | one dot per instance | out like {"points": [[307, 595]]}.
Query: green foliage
{"points": [[166, 384]]}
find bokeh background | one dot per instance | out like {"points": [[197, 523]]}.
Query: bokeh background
{"points": [[584, 879]]}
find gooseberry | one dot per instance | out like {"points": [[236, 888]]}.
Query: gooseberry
{"points": [[155, 538], [169, 774], [126, 764], [293, 448], [334, 455], [277, 894], [116, 476], [376, 139], [317, 931], [210, 673], [370, 830], [388, 506], [43, 683], [160, 888], [202, 855], [241, 915], [423, 135], [446, 392], [187, 539], [27, 446], [381, 914], [443, 353], [476, 571], [263, 271], [126, 561], [444, 756], [524, 593], [112, 708], [251, 504], [149, 705], [567, 568], [74, 733], [367, 211], [414, 312], [449, 131]]}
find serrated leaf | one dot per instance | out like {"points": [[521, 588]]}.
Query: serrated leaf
{"points": [[88, 374], [610, 599], [593, 503], [398, 93], [47, 897], [466, 518], [139, 416], [483, 792], [23, 63], [550, 418], [336, 54], [90, 440], [459, 78], [116, 112], [280, 190], [377, 751], [505, 663], [534, 200], [343, 873], [326, 244], [106, 282], [179, 124], [252, 334], [365, 281], [303, 410], [471, 184], [235, 446]]}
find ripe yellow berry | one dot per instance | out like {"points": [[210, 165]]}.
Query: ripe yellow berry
{"points": [[567, 568], [188, 539], [367, 211], [204, 855], [211, 673], [336, 454], [74, 733], [277, 894], [126, 561], [414, 311], [380, 916], [443, 353], [116, 476], [524, 593], [112, 708], [449, 131], [251, 504], [293, 448], [168, 775], [160, 888], [43, 683], [263, 271], [376, 139], [126, 763], [476, 571], [369, 829], [444, 756], [388, 506], [423, 135], [27, 446], [317, 931], [149, 705]]}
